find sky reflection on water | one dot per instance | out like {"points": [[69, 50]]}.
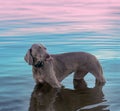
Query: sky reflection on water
{"points": [[24, 17]]}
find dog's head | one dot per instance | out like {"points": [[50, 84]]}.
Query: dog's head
{"points": [[36, 55]]}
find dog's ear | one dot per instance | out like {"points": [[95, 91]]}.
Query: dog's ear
{"points": [[28, 57]]}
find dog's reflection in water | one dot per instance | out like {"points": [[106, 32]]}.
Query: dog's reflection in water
{"points": [[45, 98]]}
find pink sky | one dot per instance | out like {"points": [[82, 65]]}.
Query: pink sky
{"points": [[82, 15]]}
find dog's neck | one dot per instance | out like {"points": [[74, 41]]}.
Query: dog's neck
{"points": [[39, 64]]}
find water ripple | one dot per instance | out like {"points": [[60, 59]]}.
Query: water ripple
{"points": [[63, 26]]}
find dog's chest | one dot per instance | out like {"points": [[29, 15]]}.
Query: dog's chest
{"points": [[44, 71], [41, 72]]}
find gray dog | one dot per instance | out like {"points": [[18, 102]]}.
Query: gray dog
{"points": [[52, 69]]}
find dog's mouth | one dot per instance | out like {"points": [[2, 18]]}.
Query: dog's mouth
{"points": [[39, 64]]}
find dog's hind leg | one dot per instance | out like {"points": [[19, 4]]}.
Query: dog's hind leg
{"points": [[99, 79], [95, 68], [79, 82]]}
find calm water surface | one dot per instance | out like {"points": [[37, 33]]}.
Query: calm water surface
{"points": [[62, 26]]}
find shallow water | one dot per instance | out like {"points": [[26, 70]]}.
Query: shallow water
{"points": [[62, 26]]}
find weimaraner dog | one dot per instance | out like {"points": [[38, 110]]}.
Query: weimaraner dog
{"points": [[52, 69]]}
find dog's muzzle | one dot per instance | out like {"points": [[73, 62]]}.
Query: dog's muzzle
{"points": [[39, 64]]}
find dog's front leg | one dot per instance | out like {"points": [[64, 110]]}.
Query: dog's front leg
{"points": [[52, 80], [50, 77]]}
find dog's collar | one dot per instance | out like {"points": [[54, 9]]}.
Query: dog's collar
{"points": [[39, 64]]}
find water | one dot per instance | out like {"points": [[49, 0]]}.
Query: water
{"points": [[62, 26]]}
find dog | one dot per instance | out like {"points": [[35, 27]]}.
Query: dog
{"points": [[53, 68]]}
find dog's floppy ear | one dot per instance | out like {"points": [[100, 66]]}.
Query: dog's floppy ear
{"points": [[28, 57]]}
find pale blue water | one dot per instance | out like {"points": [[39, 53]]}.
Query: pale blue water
{"points": [[25, 23]]}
